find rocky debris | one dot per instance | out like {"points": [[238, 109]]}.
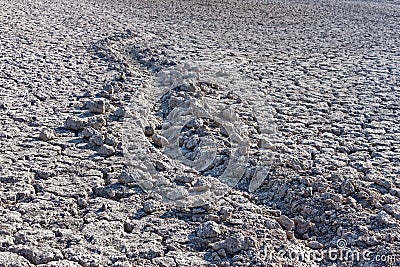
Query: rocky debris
{"points": [[125, 178], [122, 112], [209, 229], [202, 130], [164, 262], [110, 140], [47, 134], [114, 191], [151, 206], [233, 245], [161, 166], [97, 122], [106, 151], [44, 174], [75, 123], [286, 223], [38, 255], [97, 140], [88, 132], [347, 188], [62, 263], [98, 106], [184, 178], [129, 226], [225, 213], [159, 140], [13, 260], [148, 131], [82, 203], [385, 219]]}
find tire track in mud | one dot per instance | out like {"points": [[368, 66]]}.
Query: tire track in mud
{"points": [[190, 133]]}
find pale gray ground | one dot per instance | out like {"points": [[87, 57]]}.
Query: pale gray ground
{"points": [[326, 72]]}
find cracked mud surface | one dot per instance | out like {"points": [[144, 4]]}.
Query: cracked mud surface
{"points": [[319, 83]]}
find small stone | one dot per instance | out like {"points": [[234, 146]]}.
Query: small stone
{"points": [[347, 188], [75, 124], [237, 258], [150, 206], [232, 245], [315, 245], [192, 143], [274, 212], [129, 226], [395, 192], [264, 143], [44, 174], [225, 213], [385, 218], [119, 112], [271, 224], [164, 262], [148, 131], [104, 207], [175, 101], [196, 122], [47, 134], [122, 112], [392, 210], [159, 140], [350, 200], [215, 257], [97, 140], [222, 252], [177, 193], [302, 226], [82, 203], [97, 106], [36, 255], [202, 185], [3, 105], [224, 132], [121, 263], [110, 140], [290, 235], [23, 195], [285, 222], [106, 151], [384, 183], [184, 179], [160, 166], [125, 178], [97, 122], [212, 217], [208, 230], [89, 132], [229, 114]]}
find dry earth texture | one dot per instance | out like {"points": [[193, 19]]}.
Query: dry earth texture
{"points": [[106, 108]]}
